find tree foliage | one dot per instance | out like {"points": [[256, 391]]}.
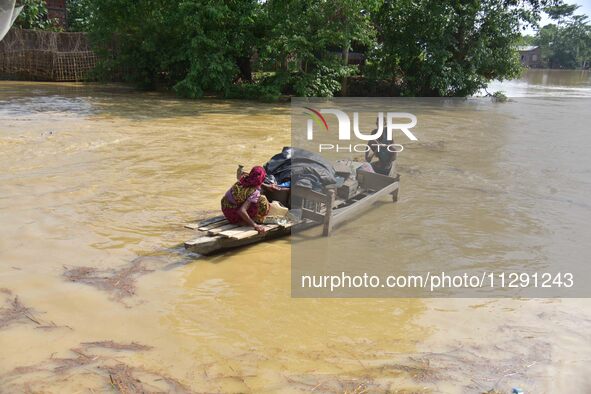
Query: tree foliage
{"points": [[309, 47], [79, 14], [137, 40], [221, 37], [34, 16], [447, 47], [567, 42], [429, 47]]}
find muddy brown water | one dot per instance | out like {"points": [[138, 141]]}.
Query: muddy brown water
{"points": [[103, 177]]}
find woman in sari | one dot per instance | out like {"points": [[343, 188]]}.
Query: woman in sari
{"points": [[244, 202]]}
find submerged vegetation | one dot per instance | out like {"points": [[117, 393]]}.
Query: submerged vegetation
{"points": [[254, 49]]}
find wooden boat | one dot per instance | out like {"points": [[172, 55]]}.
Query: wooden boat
{"points": [[328, 209]]}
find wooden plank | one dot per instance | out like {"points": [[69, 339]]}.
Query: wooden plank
{"points": [[211, 220], [234, 231], [215, 244], [203, 245], [214, 225], [201, 241], [308, 194], [246, 234], [395, 193], [239, 231], [373, 181], [252, 232], [328, 214], [199, 226], [356, 208], [222, 228], [311, 215]]}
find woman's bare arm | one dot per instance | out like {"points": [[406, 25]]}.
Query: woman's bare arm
{"points": [[243, 211], [272, 186]]}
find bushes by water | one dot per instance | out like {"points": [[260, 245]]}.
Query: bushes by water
{"points": [[197, 47]]}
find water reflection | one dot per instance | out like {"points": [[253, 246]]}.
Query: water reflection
{"points": [[557, 83]]}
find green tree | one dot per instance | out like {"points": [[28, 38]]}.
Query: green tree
{"points": [[431, 47], [220, 39], [567, 42], [561, 12], [194, 46], [79, 14], [137, 41], [34, 16], [449, 47], [310, 41]]}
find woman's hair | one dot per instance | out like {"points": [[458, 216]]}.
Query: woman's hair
{"points": [[254, 178]]}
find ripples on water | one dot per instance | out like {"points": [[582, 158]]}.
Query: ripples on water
{"points": [[546, 83]]}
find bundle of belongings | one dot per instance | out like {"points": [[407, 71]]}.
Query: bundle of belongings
{"points": [[294, 166], [300, 167]]}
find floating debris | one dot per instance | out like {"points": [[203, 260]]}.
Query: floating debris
{"points": [[15, 312], [81, 359], [133, 346], [119, 282], [131, 380], [122, 377], [419, 369]]}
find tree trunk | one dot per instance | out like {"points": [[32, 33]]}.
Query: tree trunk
{"points": [[245, 68], [345, 83]]}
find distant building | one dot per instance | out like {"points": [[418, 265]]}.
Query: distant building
{"points": [[530, 56], [56, 9]]}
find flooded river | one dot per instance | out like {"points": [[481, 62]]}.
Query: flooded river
{"points": [[96, 183]]}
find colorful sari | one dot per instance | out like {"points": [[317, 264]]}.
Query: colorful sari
{"points": [[248, 188]]}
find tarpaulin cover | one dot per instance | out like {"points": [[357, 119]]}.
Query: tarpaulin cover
{"points": [[301, 167]]}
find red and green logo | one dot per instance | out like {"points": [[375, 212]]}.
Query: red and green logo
{"points": [[317, 117]]}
